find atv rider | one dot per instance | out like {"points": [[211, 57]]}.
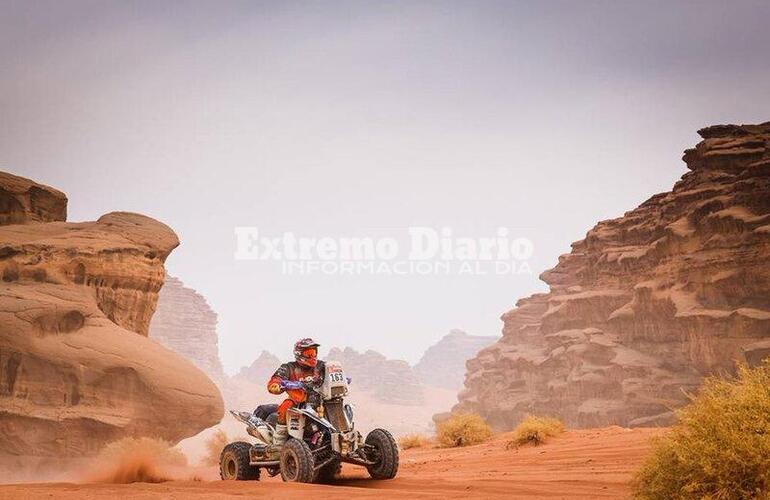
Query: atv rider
{"points": [[306, 368]]}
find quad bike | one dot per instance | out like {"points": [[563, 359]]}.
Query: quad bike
{"points": [[322, 435]]}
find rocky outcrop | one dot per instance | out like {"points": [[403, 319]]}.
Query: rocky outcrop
{"points": [[185, 323], [443, 364], [260, 371], [647, 304], [23, 201], [118, 258], [390, 381], [76, 367]]}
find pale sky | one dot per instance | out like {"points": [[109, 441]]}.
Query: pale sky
{"points": [[362, 118]]}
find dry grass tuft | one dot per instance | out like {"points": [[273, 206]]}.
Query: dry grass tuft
{"points": [[413, 441], [535, 430], [462, 430], [720, 448]]}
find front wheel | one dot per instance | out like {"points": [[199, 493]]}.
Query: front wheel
{"points": [[234, 463], [383, 451], [297, 462], [329, 472]]}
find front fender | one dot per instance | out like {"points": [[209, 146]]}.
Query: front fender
{"points": [[295, 420]]}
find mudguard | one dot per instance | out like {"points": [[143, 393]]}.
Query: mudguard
{"points": [[295, 421]]}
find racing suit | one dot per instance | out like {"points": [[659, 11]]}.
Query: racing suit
{"points": [[294, 371]]}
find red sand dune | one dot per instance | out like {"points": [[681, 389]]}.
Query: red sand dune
{"points": [[592, 463]]}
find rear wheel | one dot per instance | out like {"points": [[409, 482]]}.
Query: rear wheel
{"points": [[234, 463], [383, 451], [297, 462]]}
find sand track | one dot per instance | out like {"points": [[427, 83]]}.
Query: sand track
{"points": [[593, 463]]}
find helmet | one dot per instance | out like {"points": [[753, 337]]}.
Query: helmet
{"points": [[306, 352]]}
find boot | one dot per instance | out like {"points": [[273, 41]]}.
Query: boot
{"points": [[280, 435]]}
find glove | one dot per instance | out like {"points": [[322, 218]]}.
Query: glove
{"points": [[274, 388]]}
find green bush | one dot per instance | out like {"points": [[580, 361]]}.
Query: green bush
{"points": [[720, 447]]}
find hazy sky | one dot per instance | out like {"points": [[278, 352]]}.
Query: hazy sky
{"points": [[362, 118]]}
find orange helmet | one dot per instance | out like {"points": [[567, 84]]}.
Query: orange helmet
{"points": [[306, 352]]}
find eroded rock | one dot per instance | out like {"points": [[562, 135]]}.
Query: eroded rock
{"points": [[388, 380], [185, 323], [260, 370], [443, 364], [76, 367], [23, 201], [647, 304]]}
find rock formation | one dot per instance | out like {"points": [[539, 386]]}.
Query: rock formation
{"points": [[76, 367], [260, 370], [647, 304], [23, 201], [443, 364], [185, 323], [390, 381]]}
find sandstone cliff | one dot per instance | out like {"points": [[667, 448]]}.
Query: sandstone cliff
{"points": [[185, 323], [647, 304], [389, 381], [443, 364], [76, 367]]}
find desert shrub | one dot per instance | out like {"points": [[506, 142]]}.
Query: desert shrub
{"points": [[412, 441], [535, 430], [720, 447], [462, 430]]}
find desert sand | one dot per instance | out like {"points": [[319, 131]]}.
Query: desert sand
{"points": [[589, 463]]}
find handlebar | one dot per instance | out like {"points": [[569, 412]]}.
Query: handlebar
{"points": [[291, 385]]}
